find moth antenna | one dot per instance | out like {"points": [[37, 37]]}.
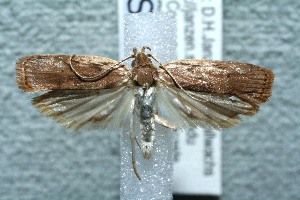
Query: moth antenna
{"points": [[172, 77], [98, 76], [128, 57], [137, 142], [133, 140], [154, 58]]}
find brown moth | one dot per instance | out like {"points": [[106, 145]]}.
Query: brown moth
{"points": [[93, 92]]}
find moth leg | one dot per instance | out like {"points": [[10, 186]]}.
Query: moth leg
{"points": [[133, 140], [98, 76], [163, 122], [137, 142]]}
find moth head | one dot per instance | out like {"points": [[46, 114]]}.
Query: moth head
{"points": [[141, 59]]}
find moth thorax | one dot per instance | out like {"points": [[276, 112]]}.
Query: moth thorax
{"points": [[145, 77]]}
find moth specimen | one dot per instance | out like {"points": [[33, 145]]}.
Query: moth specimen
{"points": [[93, 92]]}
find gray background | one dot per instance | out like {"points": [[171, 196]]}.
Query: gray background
{"points": [[41, 160]]}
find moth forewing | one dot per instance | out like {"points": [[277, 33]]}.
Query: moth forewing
{"points": [[53, 72], [247, 82]]}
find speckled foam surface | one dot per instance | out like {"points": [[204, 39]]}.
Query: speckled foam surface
{"points": [[157, 31], [41, 160]]}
